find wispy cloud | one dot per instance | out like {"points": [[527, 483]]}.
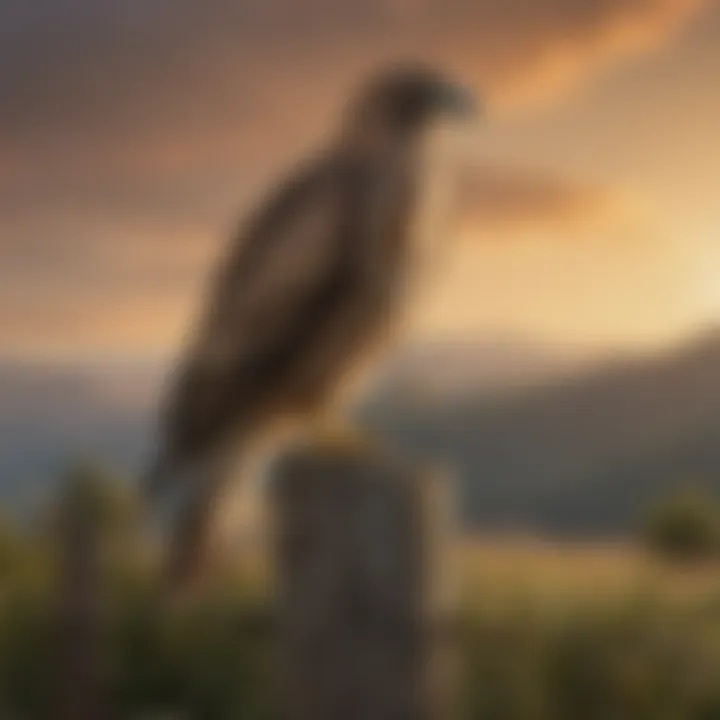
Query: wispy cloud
{"points": [[133, 133]]}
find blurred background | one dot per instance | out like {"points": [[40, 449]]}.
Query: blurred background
{"points": [[566, 369]]}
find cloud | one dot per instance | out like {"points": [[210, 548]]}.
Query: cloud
{"points": [[134, 285], [133, 133], [95, 90], [513, 198], [146, 99], [533, 50], [182, 83]]}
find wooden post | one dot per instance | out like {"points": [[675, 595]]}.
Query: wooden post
{"points": [[363, 591], [79, 641]]}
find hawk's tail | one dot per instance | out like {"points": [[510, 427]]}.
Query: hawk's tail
{"points": [[189, 548], [156, 479], [184, 500]]}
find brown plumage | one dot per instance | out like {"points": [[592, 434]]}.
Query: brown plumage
{"points": [[311, 284]]}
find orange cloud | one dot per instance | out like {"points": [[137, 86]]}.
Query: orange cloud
{"points": [[514, 198], [131, 133], [199, 86], [534, 50]]}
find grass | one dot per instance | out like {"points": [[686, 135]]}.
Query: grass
{"points": [[548, 631], [570, 632], [574, 572]]}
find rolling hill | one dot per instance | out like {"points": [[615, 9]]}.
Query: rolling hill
{"points": [[584, 455], [545, 446]]}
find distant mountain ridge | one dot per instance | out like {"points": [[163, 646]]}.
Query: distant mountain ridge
{"points": [[52, 414], [585, 455], [546, 446], [444, 370]]}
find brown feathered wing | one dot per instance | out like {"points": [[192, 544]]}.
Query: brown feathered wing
{"points": [[278, 283]]}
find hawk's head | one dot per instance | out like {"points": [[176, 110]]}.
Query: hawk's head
{"points": [[404, 101]]}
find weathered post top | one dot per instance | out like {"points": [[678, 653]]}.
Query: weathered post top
{"points": [[363, 586]]}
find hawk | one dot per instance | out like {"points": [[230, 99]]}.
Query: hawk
{"points": [[310, 288]]}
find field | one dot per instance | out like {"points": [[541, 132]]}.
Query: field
{"points": [[562, 631], [577, 572], [546, 632]]}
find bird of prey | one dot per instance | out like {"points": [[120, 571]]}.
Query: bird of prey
{"points": [[309, 289]]}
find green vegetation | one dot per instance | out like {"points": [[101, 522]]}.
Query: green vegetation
{"points": [[204, 659], [638, 661], [547, 632], [685, 527]]}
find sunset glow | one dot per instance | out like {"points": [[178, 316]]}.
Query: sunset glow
{"points": [[594, 221]]}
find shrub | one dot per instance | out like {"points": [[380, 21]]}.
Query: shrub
{"points": [[685, 527]]}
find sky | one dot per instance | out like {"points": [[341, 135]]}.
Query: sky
{"points": [[135, 134]]}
